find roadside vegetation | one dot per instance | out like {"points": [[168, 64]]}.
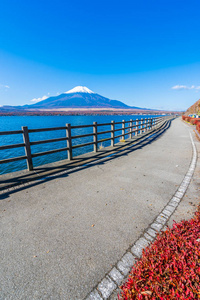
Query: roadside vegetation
{"points": [[169, 267], [193, 121]]}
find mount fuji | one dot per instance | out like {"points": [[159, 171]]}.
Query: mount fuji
{"points": [[78, 97]]}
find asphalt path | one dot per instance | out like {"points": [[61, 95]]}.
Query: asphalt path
{"points": [[59, 238]]}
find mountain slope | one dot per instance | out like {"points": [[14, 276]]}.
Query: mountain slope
{"points": [[78, 97], [78, 100], [194, 109]]}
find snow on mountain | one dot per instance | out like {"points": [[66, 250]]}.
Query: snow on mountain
{"points": [[78, 97], [79, 89]]}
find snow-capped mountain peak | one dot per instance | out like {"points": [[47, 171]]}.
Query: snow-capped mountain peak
{"points": [[79, 89]]}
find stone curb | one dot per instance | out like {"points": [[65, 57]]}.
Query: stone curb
{"points": [[105, 289]]}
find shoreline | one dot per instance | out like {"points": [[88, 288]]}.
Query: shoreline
{"points": [[83, 112]]}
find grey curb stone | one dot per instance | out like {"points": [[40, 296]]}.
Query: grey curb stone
{"points": [[170, 208], [148, 237], [157, 226], [114, 295], [164, 228], [139, 246], [163, 215], [189, 173], [116, 276], [94, 296], [187, 179], [173, 203], [182, 189], [176, 199], [166, 212], [184, 185], [106, 287], [151, 232], [179, 194], [125, 264], [161, 219]]}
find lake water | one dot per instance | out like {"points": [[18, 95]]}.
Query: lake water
{"points": [[34, 122]]}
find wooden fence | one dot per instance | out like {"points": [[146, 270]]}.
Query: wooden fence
{"points": [[129, 129]]}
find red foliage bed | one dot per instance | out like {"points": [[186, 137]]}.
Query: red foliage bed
{"points": [[170, 267], [193, 121]]}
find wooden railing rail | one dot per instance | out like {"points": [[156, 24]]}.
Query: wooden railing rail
{"points": [[50, 152], [11, 132], [12, 146], [48, 141], [46, 129], [81, 126], [130, 128]]}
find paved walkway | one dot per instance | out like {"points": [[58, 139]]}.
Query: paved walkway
{"points": [[59, 238], [191, 199]]}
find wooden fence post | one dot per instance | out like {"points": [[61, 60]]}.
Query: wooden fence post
{"points": [[156, 122], [27, 148], [69, 141], [151, 123], [141, 126], [95, 136], [123, 130], [145, 125], [131, 128], [112, 133], [136, 127]]}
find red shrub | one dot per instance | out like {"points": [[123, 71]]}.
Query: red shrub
{"points": [[198, 127], [170, 267], [197, 121], [187, 119], [194, 121]]}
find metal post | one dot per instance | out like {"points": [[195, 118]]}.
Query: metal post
{"points": [[69, 141], [27, 148], [131, 128], [95, 136], [112, 133], [136, 127], [123, 130]]}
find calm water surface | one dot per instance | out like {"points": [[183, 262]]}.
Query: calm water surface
{"points": [[34, 122]]}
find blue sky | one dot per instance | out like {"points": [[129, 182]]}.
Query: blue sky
{"points": [[144, 53]]}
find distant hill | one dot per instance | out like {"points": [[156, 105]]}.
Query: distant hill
{"points": [[194, 109], [78, 97]]}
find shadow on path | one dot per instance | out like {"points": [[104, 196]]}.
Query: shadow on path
{"points": [[58, 170]]}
